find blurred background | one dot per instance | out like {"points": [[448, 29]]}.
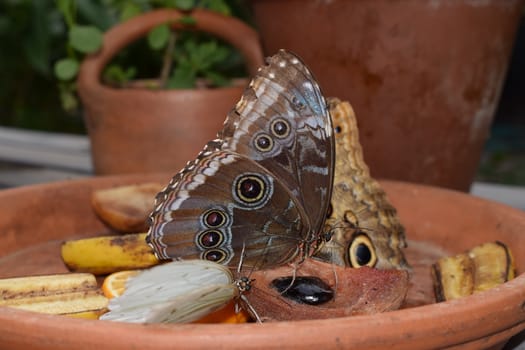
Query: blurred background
{"points": [[33, 36], [504, 156]]}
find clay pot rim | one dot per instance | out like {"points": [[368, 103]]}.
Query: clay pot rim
{"points": [[399, 324]]}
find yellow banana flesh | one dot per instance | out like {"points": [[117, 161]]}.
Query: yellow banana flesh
{"points": [[74, 294], [481, 268], [453, 277], [108, 254], [494, 265]]}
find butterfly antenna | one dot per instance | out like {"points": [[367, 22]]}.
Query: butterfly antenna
{"points": [[346, 226], [326, 236], [364, 228]]}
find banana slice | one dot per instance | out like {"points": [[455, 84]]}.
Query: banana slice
{"points": [[481, 268], [75, 294], [108, 254], [494, 265]]}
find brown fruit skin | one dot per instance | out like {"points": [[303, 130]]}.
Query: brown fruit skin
{"points": [[108, 254], [357, 292], [126, 208]]}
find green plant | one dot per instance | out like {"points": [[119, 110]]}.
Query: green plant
{"points": [[32, 34], [185, 59]]}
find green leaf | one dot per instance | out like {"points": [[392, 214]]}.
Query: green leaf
{"points": [[67, 96], [86, 39], [190, 44], [219, 6], [96, 13], [67, 8], [130, 10], [184, 4], [117, 75], [183, 77], [188, 20], [158, 36], [216, 78], [66, 68], [220, 54], [203, 56]]}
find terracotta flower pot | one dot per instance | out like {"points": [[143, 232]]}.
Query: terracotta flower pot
{"points": [[142, 130], [423, 76], [36, 219]]}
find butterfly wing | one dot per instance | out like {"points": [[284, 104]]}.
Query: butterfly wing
{"points": [[224, 206], [279, 136], [365, 226], [179, 291], [282, 122]]}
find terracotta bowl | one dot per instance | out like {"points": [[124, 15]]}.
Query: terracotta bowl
{"points": [[35, 219]]}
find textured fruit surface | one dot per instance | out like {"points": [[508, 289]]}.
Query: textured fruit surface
{"points": [[108, 254]]}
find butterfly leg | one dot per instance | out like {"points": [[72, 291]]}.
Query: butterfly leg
{"points": [[249, 307], [336, 280], [294, 275]]}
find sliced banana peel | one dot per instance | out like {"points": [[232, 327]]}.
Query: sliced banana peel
{"points": [[126, 208], [494, 265], [108, 254], [74, 294], [479, 269]]}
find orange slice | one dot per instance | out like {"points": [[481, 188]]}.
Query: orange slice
{"points": [[115, 284], [226, 314]]}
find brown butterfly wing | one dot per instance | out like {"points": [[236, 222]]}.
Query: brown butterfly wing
{"points": [[282, 122], [223, 206], [280, 130], [361, 213]]}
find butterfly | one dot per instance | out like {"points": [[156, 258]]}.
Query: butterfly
{"points": [[178, 291], [364, 226], [259, 193]]}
